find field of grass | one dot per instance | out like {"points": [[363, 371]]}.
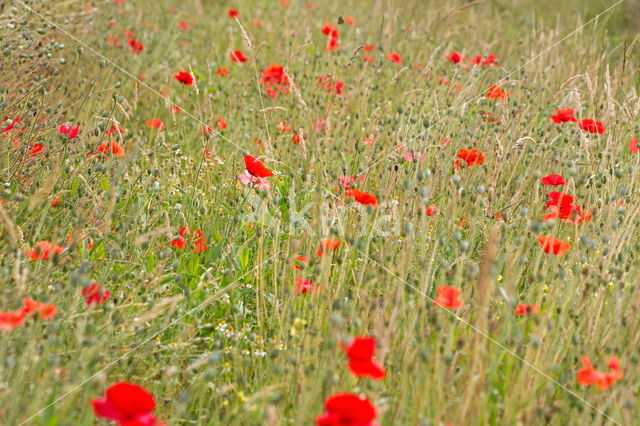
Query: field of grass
{"points": [[144, 246]]}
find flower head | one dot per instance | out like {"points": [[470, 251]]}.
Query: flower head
{"points": [[448, 297], [591, 126], [563, 116], [360, 353], [347, 409], [128, 404], [553, 246], [184, 77]]}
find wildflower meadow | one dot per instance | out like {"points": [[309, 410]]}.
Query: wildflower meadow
{"points": [[318, 212]]}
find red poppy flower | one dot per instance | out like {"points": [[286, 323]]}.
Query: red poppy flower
{"points": [[199, 243], [304, 286], [360, 353], [222, 72], [562, 207], [136, 46], [94, 294], [128, 404], [347, 409], [367, 58], [333, 37], [327, 28], [363, 198], [12, 319], [47, 311], [432, 210], [328, 244], [275, 80], [496, 92], [472, 157], [368, 47], [563, 116], [70, 131], [180, 242], [329, 85], [233, 13], [12, 126], [113, 148], [455, 57], [184, 77], [553, 246], [634, 148], [256, 168], [299, 262], [489, 117], [487, 61], [156, 123], [237, 56], [559, 199], [591, 126], [221, 123], [553, 180], [394, 57], [298, 138], [36, 149], [603, 380], [448, 297], [112, 130], [524, 309], [43, 250]]}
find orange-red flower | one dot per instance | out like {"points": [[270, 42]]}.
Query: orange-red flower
{"points": [[472, 157], [563, 116], [634, 148], [299, 262], [432, 210], [184, 77], [238, 57], [94, 295], [70, 131], [496, 92], [156, 123], [256, 168], [553, 246], [114, 148], [330, 85], [394, 57], [13, 319], [603, 380], [347, 409], [562, 207], [275, 80], [135, 46], [127, 404], [553, 180], [304, 286], [448, 297], [363, 198], [591, 126], [360, 353], [43, 250], [524, 309], [455, 57], [328, 244]]}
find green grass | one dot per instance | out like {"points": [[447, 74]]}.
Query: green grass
{"points": [[220, 337]]}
